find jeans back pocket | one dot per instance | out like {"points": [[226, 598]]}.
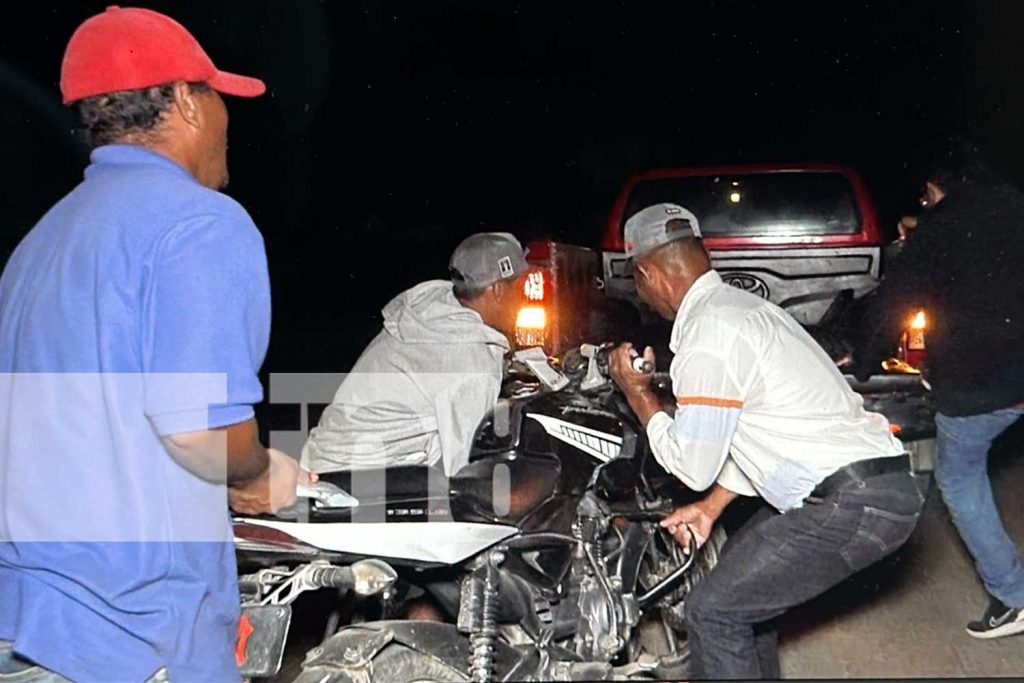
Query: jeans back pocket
{"points": [[878, 534]]}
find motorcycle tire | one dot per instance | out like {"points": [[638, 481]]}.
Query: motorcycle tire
{"points": [[707, 559]]}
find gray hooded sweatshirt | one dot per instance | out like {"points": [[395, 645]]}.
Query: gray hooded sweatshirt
{"points": [[417, 393]]}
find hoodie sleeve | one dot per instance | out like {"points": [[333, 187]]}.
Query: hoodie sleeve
{"points": [[460, 406], [460, 409]]}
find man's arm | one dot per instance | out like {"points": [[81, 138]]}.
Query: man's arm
{"points": [[635, 386], [231, 455], [259, 479], [734, 479], [907, 285], [205, 328], [694, 445], [460, 406], [698, 517]]}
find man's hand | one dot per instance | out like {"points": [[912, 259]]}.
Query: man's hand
{"points": [[273, 489], [686, 519], [636, 386], [620, 367], [906, 225], [700, 516]]}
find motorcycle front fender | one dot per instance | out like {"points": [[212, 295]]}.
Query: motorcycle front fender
{"points": [[352, 650]]}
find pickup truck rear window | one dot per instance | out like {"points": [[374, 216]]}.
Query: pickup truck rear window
{"points": [[790, 204]]}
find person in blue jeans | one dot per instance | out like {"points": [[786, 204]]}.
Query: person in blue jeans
{"points": [[961, 471], [962, 263], [840, 495]]}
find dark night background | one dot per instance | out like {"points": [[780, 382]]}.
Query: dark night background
{"points": [[391, 130]]}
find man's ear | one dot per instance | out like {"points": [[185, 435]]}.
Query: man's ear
{"points": [[653, 276], [187, 104]]}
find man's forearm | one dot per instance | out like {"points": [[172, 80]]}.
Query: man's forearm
{"points": [[717, 500], [231, 455], [644, 404], [247, 457]]}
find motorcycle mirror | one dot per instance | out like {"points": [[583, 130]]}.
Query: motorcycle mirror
{"points": [[537, 361], [325, 494], [594, 378]]}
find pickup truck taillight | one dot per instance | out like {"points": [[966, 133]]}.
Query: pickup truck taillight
{"points": [[531, 322], [912, 347], [535, 287], [563, 294]]}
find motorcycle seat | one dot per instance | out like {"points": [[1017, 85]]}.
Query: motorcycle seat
{"points": [[396, 484]]}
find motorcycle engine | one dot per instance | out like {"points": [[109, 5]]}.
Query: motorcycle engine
{"points": [[605, 614]]}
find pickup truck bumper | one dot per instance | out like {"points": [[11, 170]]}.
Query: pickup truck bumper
{"points": [[909, 408]]}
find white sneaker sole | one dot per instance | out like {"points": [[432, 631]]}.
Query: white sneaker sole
{"points": [[1009, 629]]}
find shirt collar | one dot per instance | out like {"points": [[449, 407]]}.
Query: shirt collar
{"points": [[132, 155], [705, 283]]}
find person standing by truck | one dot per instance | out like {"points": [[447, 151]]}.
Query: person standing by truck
{"points": [[133, 319], [761, 411], [962, 265]]}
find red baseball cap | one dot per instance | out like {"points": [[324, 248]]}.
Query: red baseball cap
{"points": [[130, 48]]}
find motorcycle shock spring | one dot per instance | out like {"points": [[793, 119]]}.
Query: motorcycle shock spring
{"points": [[481, 659]]}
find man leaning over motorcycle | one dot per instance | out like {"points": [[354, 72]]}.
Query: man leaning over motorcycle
{"points": [[761, 411]]}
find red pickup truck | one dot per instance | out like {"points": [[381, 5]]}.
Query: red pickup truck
{"points": [[804, 236]]}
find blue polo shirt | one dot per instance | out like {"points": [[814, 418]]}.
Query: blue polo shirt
{"points": [[139, 306]]}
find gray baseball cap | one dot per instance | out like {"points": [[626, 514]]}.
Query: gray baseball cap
{"points": [[650, 228], [486, 257]]}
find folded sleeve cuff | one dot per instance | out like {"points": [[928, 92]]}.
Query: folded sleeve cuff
{"points": [[731, 477], [183, 421], [659, 423]]}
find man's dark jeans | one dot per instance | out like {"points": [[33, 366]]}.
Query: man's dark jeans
{"points": [[777, 561]]}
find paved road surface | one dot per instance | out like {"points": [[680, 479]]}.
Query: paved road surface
{"points": [[905, 617]]}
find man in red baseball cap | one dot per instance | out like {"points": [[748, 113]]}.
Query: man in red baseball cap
{"points": [[126, 67], [132, 48], [134, 318]]}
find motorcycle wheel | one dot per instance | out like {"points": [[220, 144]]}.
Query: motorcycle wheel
{"points": [[396, 663], [707, 558]]}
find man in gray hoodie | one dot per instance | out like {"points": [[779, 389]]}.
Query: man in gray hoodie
{"points": [[420, 389]]}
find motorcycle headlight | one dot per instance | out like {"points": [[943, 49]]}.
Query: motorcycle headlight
{"points": [[370, 577]]}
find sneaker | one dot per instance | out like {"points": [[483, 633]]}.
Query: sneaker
{"points": [[998, 621]]}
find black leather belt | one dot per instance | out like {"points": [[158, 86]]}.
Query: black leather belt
{"points": [[858, 472]]}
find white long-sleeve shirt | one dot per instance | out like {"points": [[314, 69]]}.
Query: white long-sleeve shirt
{"points": [[761, 408]]}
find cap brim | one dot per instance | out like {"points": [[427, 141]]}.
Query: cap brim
{"points": [[239, 86]]}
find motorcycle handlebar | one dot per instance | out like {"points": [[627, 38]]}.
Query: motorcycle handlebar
{"points": [[331, 577], [640, 364]]}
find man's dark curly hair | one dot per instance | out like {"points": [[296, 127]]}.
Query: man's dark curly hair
{"points": [[127, 115], [950, 161]]}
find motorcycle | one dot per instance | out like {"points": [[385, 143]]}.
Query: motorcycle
{"points": [[544, 551]]}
